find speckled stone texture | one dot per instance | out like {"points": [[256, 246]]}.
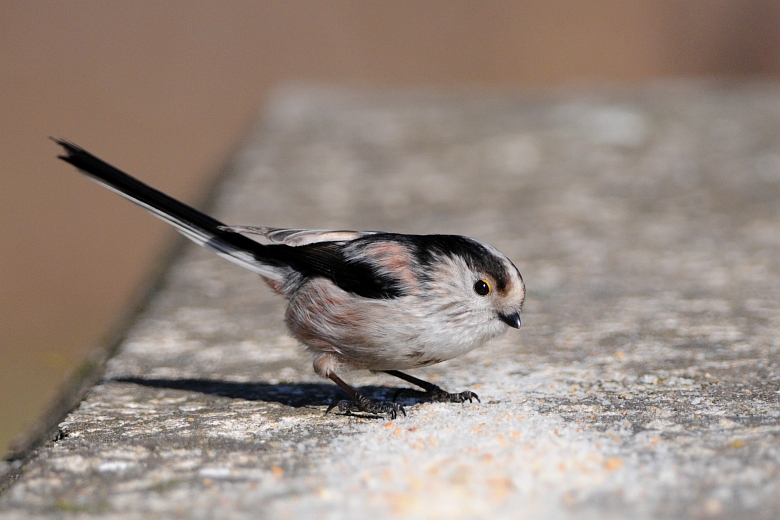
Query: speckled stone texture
{"points": [[644, 381]]}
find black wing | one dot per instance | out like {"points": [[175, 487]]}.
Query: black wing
{"points": [[327, 260]]}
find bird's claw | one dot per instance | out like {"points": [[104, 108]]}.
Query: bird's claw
{"points": [[362, 403], [439, 395], [442, 396]]}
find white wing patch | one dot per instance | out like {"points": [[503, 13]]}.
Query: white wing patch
{"points": [[299, 237]]}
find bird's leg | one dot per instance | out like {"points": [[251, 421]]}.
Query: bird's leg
{"points": [[433, 392], [361, 403]]}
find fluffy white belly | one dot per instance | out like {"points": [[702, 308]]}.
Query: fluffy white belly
{"points": [[393, 334]]}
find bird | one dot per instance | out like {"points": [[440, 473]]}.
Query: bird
{"points": [[356, 300]]}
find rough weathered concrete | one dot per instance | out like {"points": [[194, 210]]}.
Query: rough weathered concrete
{"points": [[644, 381]]}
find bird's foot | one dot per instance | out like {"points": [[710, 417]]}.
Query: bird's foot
{"points": [[362, 403], [439, 395], [442, 396]]}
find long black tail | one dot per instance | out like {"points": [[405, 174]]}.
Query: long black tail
{"points": [[195, 225]]}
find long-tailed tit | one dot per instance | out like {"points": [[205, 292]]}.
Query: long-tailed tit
{"points": [[357, 299]]}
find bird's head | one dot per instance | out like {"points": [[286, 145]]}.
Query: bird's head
{"points": [[475, 281]]}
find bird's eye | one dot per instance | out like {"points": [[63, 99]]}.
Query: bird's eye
{"points": [[482, 287]]}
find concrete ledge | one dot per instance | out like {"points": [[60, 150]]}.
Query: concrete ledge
{"points": [[643, 383]]}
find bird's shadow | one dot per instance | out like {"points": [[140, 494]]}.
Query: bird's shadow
{"points": [[296, 395]]}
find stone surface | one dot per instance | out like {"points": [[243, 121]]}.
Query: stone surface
{"points": [[643, 383]]}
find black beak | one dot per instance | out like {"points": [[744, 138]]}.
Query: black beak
{"points": [[513, 320]]}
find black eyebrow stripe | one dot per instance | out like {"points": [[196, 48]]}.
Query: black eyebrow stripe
{"points": [[476, 256]]}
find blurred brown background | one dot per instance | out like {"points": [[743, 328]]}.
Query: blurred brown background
{"points": [[165, 90]]}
